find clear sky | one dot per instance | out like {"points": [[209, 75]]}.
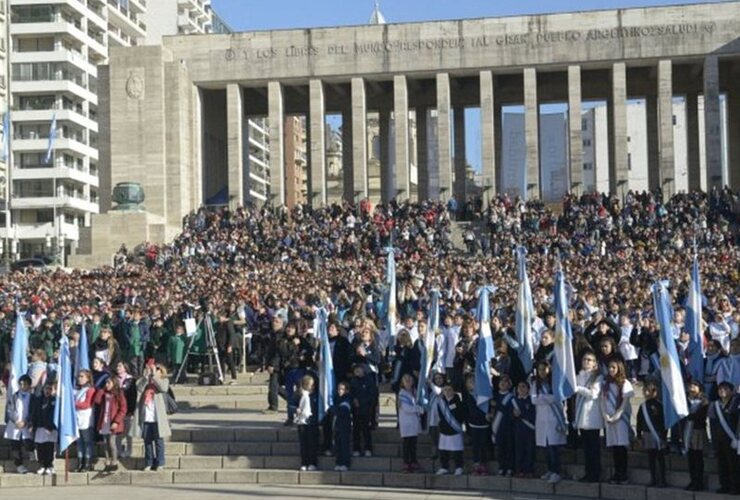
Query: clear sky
{"points": [[244, 15], [249, 15]]}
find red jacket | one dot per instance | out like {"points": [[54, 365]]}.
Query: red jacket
{"points": [[116, 409], [88, 401]]}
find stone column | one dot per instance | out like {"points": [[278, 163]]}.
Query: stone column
{"points": [[348, 179], [733, 136], [532, 133], [317, 167], [618, 170], [444, 143], [488, 133], [359, 138], [387, 186], [692, 140], [402, 188], [460, 184], [575, 130], [498, 143], [712, 123], [422, 156], [653, 141], [665, 112], [235, 143], [275, 113]]}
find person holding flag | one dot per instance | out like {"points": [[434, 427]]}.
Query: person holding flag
{"points": [[696, 352], [65, 415], [18, 405], [483, 384]]}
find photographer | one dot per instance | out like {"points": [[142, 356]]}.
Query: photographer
{"points": [[150, 420]]}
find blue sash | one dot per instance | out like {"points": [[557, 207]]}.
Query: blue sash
{"points": [[448, 416], [557, 411], [625, 413], [407, 400], [499, 416], [689, 426], [725, 426], [524, 420], [651, 426]]}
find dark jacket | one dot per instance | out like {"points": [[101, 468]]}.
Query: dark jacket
{"points": [[474, 416], [341, 353], [655, 410], [342, 413], [457, 408], [365, 393], [41, 412]]}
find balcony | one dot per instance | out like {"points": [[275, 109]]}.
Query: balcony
{"points": [[39, 231], [70, 202], [125, 20], [50, 86], [58, 55], [59, 173], [63, 114], [61, 145]]}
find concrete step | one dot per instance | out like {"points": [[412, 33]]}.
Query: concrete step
{"points": [[484, 484]]}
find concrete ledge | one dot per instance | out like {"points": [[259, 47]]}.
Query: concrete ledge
{"points": [[257, 435], [200, 462], [277, 477], [293, 463], [205, 449], [398, 480], [489, 483], [109, 477], [623, 492], [75, 479], [319, 477], [243, 462], [21, 480], [210, 435], [662, 494], [531, 486], [575, 489], [194, 476], [447, 482], [353, 478], [156, 477], [236, 476], [262, 449]]}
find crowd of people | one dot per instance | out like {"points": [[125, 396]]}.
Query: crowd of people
{"points": [[266, 271]]}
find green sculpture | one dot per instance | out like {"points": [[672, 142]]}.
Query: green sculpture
{"points": [[129, 197]]}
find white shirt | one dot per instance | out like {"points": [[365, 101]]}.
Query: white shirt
{"points": [[150, 412]]}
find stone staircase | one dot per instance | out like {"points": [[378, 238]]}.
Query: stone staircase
{"points": [[220, 435]]}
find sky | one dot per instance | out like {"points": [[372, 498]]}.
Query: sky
{"points": [[251, 15]]}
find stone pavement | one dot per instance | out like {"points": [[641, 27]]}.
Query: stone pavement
{"points": [[223, 491]]}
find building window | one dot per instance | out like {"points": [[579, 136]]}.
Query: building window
{"points": [[674, 120], [629, 161], [586, 143], [588, 166], [584, 124]]}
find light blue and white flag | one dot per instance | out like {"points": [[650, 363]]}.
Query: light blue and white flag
{"points": [[65, 417], [524, 313], [391, 307], [326, 364], [483, 385], [675, 406], [693, 326], [563, 361], [18, 356], [52, 139], [427, 353], [82, 360], [6, 136]]}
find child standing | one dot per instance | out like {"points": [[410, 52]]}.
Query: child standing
{"points": [[451, 418], [695, 434], [588, 417], [503, 426], [364, 395], [408, 423], [615, 408], [651, 430], [45, 432], [723, 414], [438, 381], [523, 411], [342, 426], [479, 426], [308, 429], [84, 395], [18, 428], [111, 405], [550, 428]]}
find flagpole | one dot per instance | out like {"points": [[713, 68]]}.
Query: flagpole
{"points": [[66, 465]]}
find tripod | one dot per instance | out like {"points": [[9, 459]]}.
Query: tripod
{"points": [[211, 350]]}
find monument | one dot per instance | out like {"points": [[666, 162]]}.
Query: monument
{"points": [[177, 112]]}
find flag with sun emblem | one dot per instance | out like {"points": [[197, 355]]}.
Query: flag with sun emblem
{"points": [[675, 406], [563, 366], [483, 387]]}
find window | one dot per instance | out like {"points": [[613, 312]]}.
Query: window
{"points": [[588, 166], [584, 124], [586, 143], [674, 120]]}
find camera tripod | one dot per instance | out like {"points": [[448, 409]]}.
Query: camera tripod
{"points": [[211, 349]]}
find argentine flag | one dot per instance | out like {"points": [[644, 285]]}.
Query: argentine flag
{"points": [[675, 406], [524, 313], [65, 416], [483, 385], [563, 366], [82, 360], [326, 364], [52, 139], [427, 354], [391, 314], [18, 356], [693, 325]]}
